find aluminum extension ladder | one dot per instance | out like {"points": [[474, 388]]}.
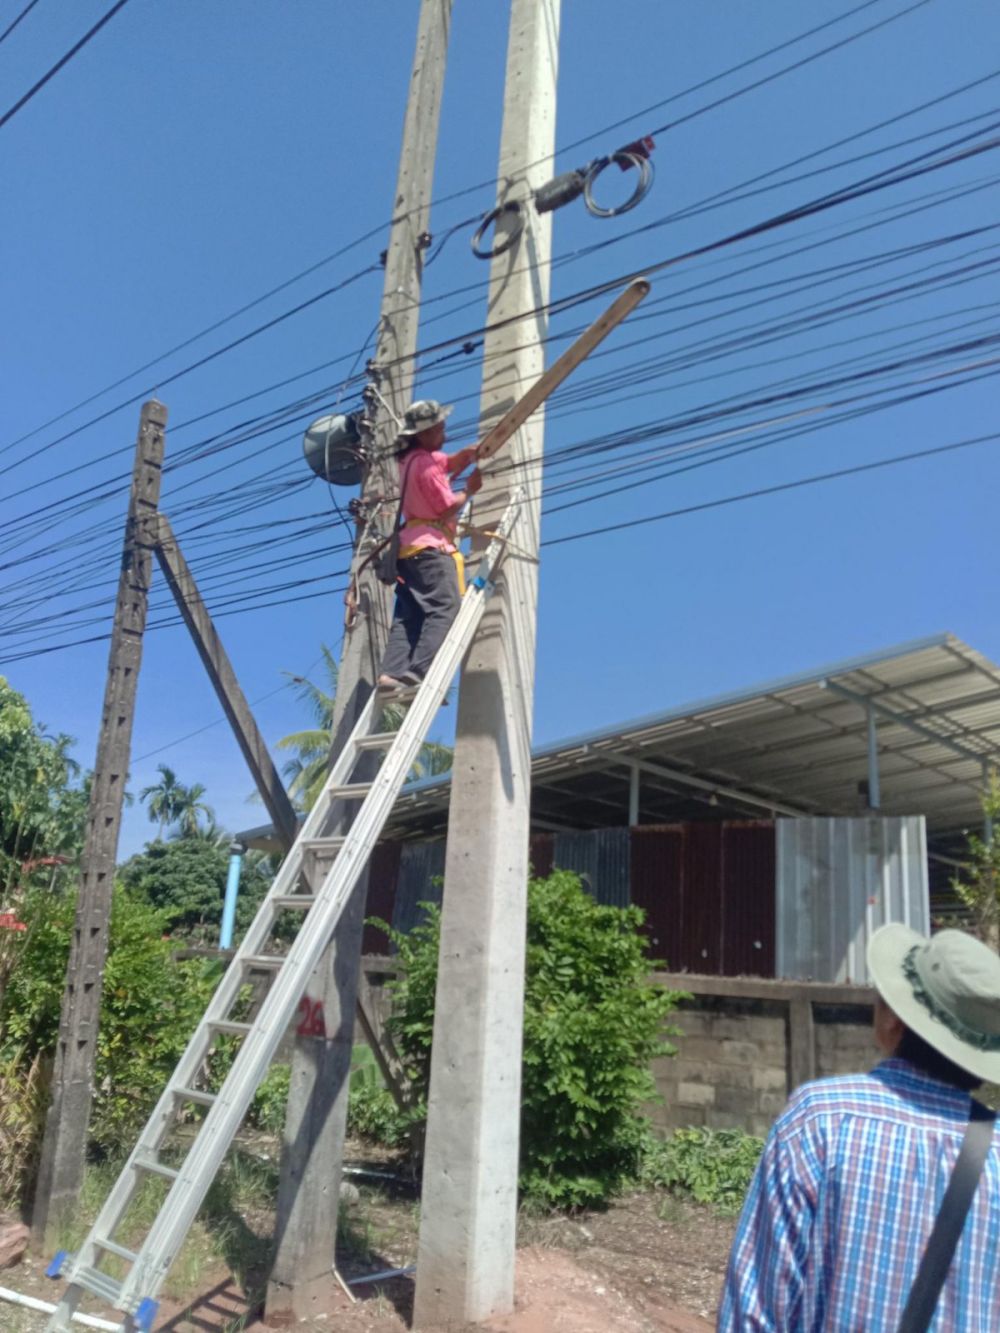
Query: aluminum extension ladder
{"points": [[334, 864]]}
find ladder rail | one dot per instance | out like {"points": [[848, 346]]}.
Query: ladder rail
{"points": [[187, 1191], [172, 1224], [224, 997]]}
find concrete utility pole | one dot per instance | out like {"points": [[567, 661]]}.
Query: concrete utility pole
{"points": [[64, 1147], [465, 1263], [301, 1282]]}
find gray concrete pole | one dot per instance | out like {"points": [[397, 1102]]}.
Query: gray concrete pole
{"points": [[64, 1147], [465, 1263], [301, 1284]]}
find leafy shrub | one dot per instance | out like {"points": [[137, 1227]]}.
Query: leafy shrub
{"points": [[372, 1112], [150, 1005], [267, 1110], [22, 1117], [592, 1025], [712, 1165], [186, 879]]}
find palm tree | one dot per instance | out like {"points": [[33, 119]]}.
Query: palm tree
{"points": [[165, 798], [190, 807], [308, 768]]}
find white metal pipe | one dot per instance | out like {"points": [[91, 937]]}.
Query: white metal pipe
{"points": [[43, 1307]]}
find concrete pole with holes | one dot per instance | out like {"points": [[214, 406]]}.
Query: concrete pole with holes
{"points": [[64, 1148], [301, 1283], [465, 1264]]}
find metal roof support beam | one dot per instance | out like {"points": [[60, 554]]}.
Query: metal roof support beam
{"points": [[864, 701], [987, 820], [634, 784], [701, 784], [874, 795]]}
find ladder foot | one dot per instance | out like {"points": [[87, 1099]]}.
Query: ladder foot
{"points": [[58, 1264], [145, 1314]]}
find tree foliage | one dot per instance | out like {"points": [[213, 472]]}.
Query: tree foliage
{"points": [[43, 803], [310, 748], [978, 884], [150, 1005], [169, 802], [186, 880], [593, 1022]]}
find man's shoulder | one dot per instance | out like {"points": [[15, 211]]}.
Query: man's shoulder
{"points": [[835, 1096]]}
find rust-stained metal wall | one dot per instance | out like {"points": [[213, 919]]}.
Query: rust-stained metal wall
{"points": [[707, 888], [708, 894], [383, 874]]}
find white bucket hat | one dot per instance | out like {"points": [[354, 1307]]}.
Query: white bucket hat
{"points": [[946, 990], [422, 415]]}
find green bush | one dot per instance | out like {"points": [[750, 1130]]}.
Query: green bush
{"points": [[371, 1111], [150, 1005], [267, 1110], [592, 1025], [711, 1165], [186, 879]]}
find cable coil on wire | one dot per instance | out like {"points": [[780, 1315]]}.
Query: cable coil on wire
{"points": [[626, 159], [562, 190], [504, 244]]}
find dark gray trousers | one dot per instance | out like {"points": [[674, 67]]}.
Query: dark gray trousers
{"points": [[427, 601]]}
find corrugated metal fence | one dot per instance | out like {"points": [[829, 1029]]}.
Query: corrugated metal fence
{"points": [[838, 880]]}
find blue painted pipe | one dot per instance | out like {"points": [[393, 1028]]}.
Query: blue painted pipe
{"points": [[236, 850]]}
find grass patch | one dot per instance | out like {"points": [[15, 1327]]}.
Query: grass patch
{"points": [[246, 1186]]}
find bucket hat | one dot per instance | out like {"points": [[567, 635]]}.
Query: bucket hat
{"points": [[945, 989], [421, 415]]}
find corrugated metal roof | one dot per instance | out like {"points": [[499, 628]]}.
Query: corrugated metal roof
{"points": [[789, 746]]}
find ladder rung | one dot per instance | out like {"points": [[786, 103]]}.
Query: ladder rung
{"points": [[112, 1248], [263, 962], [195, 1095], [325, 848], [350, 791], [379, 740], [100, 1284], [299, 902], [154, 1167], [228, 1025]]}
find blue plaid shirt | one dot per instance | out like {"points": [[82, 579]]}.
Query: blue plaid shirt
{"points": [[842, 1204]]}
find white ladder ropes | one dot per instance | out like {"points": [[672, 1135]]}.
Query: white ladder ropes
{"points": [[316, 878]]}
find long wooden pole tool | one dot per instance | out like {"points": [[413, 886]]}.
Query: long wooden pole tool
{"points": [[513, 420]]}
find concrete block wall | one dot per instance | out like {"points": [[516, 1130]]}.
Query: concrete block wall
{"points": [[844, 1045], [735, 1067]]}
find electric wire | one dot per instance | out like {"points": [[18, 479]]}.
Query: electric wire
{"points": [[37, 87], [336, 254], [23, 15]]}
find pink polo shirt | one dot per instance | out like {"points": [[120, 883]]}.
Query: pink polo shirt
{"points": [[427, 494]]}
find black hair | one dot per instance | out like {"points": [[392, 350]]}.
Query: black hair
{"points": [[920, 1053]]}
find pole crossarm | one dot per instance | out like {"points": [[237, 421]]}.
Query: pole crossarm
{"points": [[220, 671]]}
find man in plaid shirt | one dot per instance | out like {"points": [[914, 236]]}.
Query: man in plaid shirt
{"points": [[854, 1171]]}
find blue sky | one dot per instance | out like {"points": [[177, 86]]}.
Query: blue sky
{"points": [[196, 155]]}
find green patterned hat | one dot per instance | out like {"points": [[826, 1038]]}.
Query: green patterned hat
{"points": [[945, 989]]}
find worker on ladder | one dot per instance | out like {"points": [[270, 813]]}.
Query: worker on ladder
{"points": [[430, 579]]}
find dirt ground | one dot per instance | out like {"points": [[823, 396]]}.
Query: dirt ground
{"points": [[650, 1264]]}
